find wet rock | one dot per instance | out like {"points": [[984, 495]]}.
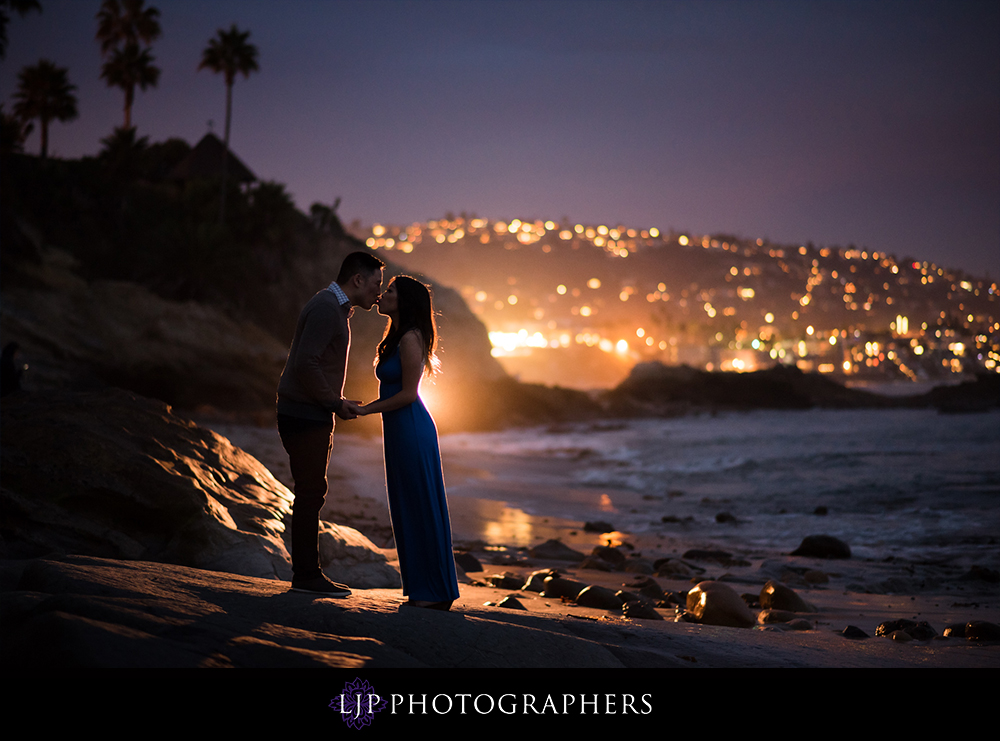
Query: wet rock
{"points": [[776, 596], [598, 526], [599, 597], [820, 510], [467, 562], [511, 603], [715, 603], [726, 518], [822, 546], [555, 550], [640, 610]]}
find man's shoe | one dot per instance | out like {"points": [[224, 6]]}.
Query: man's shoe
{"points": [[320, 585]]}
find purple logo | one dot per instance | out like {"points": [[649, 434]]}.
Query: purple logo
{"points": [[357, 704]]}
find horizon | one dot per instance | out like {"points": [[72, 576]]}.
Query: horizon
{"points": [[835, 123]]}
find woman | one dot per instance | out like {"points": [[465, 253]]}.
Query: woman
{"points": [[413, 478]]}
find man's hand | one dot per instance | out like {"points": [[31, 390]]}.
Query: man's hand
{"points": [[349, 409]]}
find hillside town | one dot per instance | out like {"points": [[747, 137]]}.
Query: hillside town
{"points": [[580, 305]]}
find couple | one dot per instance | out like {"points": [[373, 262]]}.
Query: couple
{"points": [[310, 393]]}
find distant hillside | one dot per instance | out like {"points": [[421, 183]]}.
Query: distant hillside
{"points": [[716, 302]]}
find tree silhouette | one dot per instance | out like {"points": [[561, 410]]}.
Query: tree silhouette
{"points": [[22, 8], [127, 68], [229, 53], [122, 26], [126, 22], [44, 92]]}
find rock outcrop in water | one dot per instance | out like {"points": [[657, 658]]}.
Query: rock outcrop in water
{"points": [[114, 475]]}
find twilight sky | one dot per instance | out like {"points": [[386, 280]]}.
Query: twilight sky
{"points": [[836, 122]]}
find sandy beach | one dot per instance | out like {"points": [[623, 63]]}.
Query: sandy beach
{"points": [[858, 592]]}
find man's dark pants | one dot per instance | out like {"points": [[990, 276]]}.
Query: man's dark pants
{"points": [[308, 444]]}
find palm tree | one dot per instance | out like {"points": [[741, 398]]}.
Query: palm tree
{"points": [[229, 53], [44, 92], [22, 8], [121, 26], [127, 68], [126, 22]]}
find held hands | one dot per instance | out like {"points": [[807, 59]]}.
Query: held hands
{"points": [[350, 409]]}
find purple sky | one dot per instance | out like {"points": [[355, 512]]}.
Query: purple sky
{"points": [[872, 123]]}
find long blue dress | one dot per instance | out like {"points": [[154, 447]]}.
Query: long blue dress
{"points": [[415, 485]]}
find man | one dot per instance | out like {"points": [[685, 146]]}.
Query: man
{"points": [[309, 394]]}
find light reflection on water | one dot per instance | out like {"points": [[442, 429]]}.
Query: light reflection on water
{"points": [[893, 481]]}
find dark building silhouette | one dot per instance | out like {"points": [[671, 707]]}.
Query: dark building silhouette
{"points": [[205, 161]]}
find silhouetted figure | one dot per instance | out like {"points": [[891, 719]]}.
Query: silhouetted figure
{"points": [[11, 369]]}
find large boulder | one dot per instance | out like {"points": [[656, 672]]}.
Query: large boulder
{"points": [[115, 475]]}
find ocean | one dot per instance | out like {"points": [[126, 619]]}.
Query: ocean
{"points": [[912, 484]]}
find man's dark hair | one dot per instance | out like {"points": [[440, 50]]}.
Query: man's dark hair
{"points": [[364, 263]]}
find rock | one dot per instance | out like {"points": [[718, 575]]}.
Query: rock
{"points": [[671, 567], [799, 624], [647, 587], [724, 518], [610, 555], [505, 581], [776, 596], [598, 527], [114, 475], [555, 550], [914, 631], [955, 630], [536, 580], [715, 603], [595, 564], [981, 630], [599, 597], [812, 576], [853, 632], [821, 510], [720, 557], [822, 546], [467, 562], [121, 334], [511, 603], [638, 566], [641, 611], [766, 617], [561, 588]]}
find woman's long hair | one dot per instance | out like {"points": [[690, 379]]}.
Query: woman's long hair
{"points": [[415, 310]]}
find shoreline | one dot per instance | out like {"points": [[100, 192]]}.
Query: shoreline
{"points": [[860, 592]]}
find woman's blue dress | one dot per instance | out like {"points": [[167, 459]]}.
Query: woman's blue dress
{"points": [[415, 485]]}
